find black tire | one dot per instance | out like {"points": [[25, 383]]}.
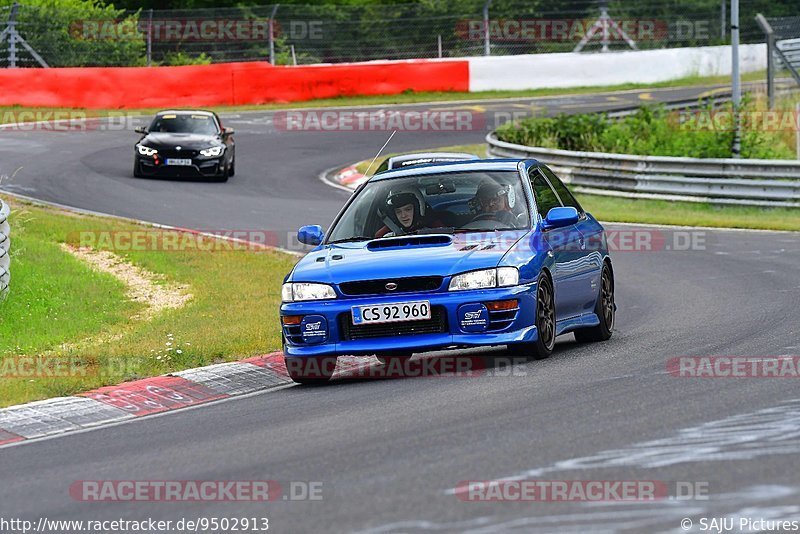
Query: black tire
{"points": [[136, 173], [605, 309], [310, 370], [545, 324], [232, 166]]}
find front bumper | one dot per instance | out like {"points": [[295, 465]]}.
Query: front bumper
{"points": [[201, 167], [520, 328]]}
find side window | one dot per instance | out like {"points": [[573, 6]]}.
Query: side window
{"points": [[546, 198], [563, 193]]}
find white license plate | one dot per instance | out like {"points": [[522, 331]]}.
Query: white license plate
{"points": [[392, 313], [181, 162]]}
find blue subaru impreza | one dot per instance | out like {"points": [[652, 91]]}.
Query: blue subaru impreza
{"points": [[465, 254]]}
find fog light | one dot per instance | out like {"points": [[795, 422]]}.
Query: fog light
{"points": [[502, 305], [292, 319]]}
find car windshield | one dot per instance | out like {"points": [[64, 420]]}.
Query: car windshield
{"points": [[440, 203], [184, 123]]}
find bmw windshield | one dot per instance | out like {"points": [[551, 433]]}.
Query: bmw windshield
{"points": [[185, 123], [448, 202]]}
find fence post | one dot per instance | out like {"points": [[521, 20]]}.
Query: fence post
{"points": [[487, 49], [736, 86], [5, 247], [149, 37], [722, 20], [11, 29], [767, 29], [439, 44], [272, 34]]}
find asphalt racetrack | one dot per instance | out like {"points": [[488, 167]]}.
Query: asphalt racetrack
{"points": [[390, 453]]}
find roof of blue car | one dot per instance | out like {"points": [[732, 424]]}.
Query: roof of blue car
{"points": [[453, 166]]}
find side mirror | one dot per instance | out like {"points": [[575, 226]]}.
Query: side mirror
{"points": [[311, 234], [227, 131], [559, 217], [140, 130]]}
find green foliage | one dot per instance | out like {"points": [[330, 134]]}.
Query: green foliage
{"points": [[650, 131], [68, 33], [174, 59]]}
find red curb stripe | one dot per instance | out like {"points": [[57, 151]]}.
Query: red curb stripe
{"points": [[154, 395], [273, 361], [7, 437]]}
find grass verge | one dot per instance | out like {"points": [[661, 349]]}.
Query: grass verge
{"points": [[9, 114], [77, 321], [615, 209]]}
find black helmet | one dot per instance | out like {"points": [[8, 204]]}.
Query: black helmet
{"points": [[488, 190]]}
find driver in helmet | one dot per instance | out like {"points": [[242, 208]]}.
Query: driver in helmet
{"points": [[493, 203], [405, 213]]}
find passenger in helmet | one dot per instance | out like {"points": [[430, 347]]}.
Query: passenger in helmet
{"points": [[493, 203]]}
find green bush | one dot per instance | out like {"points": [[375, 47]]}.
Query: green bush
{"points": [[181, 58], [649, 131]]}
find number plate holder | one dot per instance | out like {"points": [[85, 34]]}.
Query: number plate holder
{"points": [[392, 313]]}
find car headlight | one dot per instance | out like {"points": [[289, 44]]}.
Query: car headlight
{"points": [[306, 291], [487, 278], [146, 150], [213, 151]]}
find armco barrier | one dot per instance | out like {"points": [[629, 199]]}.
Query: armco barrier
{"points": [[5, 247], [758, 182], [223, 84]]}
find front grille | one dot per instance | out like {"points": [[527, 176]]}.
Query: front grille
{"points": [[172, 153], [404, 285], [437, 324]]}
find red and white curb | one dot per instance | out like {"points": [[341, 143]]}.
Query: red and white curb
{"points": [[349, 177], [149, 396]]}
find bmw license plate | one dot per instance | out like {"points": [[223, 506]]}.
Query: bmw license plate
{"points": [[392, 313], [178, 161]]}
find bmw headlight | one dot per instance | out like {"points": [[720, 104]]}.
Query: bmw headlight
{"points": [[296, 292], [211, 152], [146, 150], [485, 279]]}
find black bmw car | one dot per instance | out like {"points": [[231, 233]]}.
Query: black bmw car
{"points": [[188, 143]]}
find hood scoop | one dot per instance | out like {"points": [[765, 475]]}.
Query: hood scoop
{"points": [[412, 241]]}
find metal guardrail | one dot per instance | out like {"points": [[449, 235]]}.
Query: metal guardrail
{"points": [[5, 247], [774, 183]]}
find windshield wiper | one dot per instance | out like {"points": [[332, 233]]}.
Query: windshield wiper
{"points": [[351, 239]]}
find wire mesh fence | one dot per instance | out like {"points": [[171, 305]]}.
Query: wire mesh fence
{"points": [[76, 35]]}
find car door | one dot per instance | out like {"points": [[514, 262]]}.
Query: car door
{"points": [[564, 245], [589, 259]]}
